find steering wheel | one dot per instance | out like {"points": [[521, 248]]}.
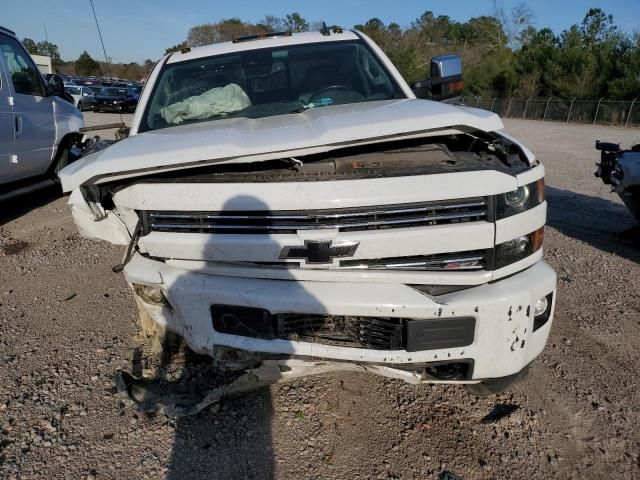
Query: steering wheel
{"points": [[326, 89]]}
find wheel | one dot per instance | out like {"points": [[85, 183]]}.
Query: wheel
{"points": [[61, 162], [495, 386]]}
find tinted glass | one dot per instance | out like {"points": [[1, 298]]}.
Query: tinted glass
{"points": [[113, 92], [24, 74], [266, 82]]}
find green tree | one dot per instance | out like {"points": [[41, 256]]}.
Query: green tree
{"points": [[295, 22], [222, 31], [176, 48], [30, 45], [50, 50], [597, 27], [85, 65]]}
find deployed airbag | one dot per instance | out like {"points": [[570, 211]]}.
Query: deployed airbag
{"points": [[214, 102]]}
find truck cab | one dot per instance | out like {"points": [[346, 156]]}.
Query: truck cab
{"points": [[288, 198], [37, 127]]}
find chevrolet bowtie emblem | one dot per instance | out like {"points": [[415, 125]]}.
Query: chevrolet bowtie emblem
{"points": [[320, 251]]}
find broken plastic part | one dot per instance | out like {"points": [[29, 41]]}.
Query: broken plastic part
{"points": [[150, 294], [130, 249]]}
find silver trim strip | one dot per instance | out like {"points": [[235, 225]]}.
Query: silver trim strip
{"points": [[402, 221], [386, 211]]}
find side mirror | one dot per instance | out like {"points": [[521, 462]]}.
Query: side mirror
{"points": [[446, 79], [55, 88], [55, 85]]}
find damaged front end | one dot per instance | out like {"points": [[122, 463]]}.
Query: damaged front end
{"points": [[621, 169], [416, 258]]}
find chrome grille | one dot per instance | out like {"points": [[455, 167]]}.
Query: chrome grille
{"points": [[291, 221], [459, 261]]}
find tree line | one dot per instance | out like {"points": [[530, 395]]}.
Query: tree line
{"points": [[503, 54], [87, 65]]}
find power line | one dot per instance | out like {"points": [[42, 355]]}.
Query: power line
{"points": [[104, 50]]}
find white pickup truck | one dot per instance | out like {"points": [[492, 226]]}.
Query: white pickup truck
{"points": [[289, 203]]}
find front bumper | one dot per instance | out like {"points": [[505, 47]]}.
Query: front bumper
{"points": [[503, 343], [108, 107]]}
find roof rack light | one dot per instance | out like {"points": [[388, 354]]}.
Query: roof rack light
{"points": [[261, 36], [5, 29]]}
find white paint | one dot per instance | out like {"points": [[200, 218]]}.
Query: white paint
{"points": [[314, 195], [238, 140], [501, 315]]}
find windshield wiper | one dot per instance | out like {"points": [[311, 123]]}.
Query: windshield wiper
{"points": [[302, 107]]}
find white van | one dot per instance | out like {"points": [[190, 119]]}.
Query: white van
{"points": [[37, 127]]}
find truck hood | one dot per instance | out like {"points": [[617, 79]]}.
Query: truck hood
{"points": [[244, 139]]}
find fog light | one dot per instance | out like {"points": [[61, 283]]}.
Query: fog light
{"points": [[541, 306]]}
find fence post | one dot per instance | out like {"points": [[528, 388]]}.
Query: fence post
{"points": [[544, 115], [506, 115], [492, 102], [570, 107], [526, 104], [477, 101], [629, 114], [595, 117]]}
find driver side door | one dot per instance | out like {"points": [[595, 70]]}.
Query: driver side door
{"points": [[34, 120], [7, 127]]}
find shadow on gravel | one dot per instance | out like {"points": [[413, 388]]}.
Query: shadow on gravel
{"points": [[16, 207], [233, 438], [593, 220], [229, 440]]}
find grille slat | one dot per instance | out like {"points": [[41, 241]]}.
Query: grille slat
{"points": [[367, 332], [351, 219], [474, 260]]}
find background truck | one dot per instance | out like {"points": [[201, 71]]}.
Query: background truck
{"points": [[290, 207]]}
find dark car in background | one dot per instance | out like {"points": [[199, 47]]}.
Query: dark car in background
{"points": [[114, 99], [135, 91]]}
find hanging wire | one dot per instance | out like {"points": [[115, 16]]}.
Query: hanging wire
{"points": [[104, 50]]}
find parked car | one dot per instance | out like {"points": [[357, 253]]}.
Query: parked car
{"points": [[37, 126], [291, 207], [134, 91], [82, 97], [114, 99]]}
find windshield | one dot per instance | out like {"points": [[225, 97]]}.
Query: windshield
{"points": [[265, 82], [113, 92]]}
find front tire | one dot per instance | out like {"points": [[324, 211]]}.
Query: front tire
{"points": [[62, 161]]}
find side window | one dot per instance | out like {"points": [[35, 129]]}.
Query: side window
{"points": [[24, 74]]}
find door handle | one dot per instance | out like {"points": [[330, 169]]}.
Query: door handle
{"points": [[18, 124]]}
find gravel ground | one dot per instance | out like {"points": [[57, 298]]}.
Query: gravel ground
{"points": [[67, 323]]}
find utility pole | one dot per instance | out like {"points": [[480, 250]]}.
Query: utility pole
{"points": [[46, 35]]}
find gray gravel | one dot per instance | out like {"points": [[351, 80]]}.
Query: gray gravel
{"points": [[67, 323]]}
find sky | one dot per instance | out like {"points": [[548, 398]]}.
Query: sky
{"points": [[135, 30]]}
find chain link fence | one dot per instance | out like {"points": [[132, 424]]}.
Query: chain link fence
{"points": [[596, 111]]}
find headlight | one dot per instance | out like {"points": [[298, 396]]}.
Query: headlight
{"points": [[516, 249], [517, 201]]}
